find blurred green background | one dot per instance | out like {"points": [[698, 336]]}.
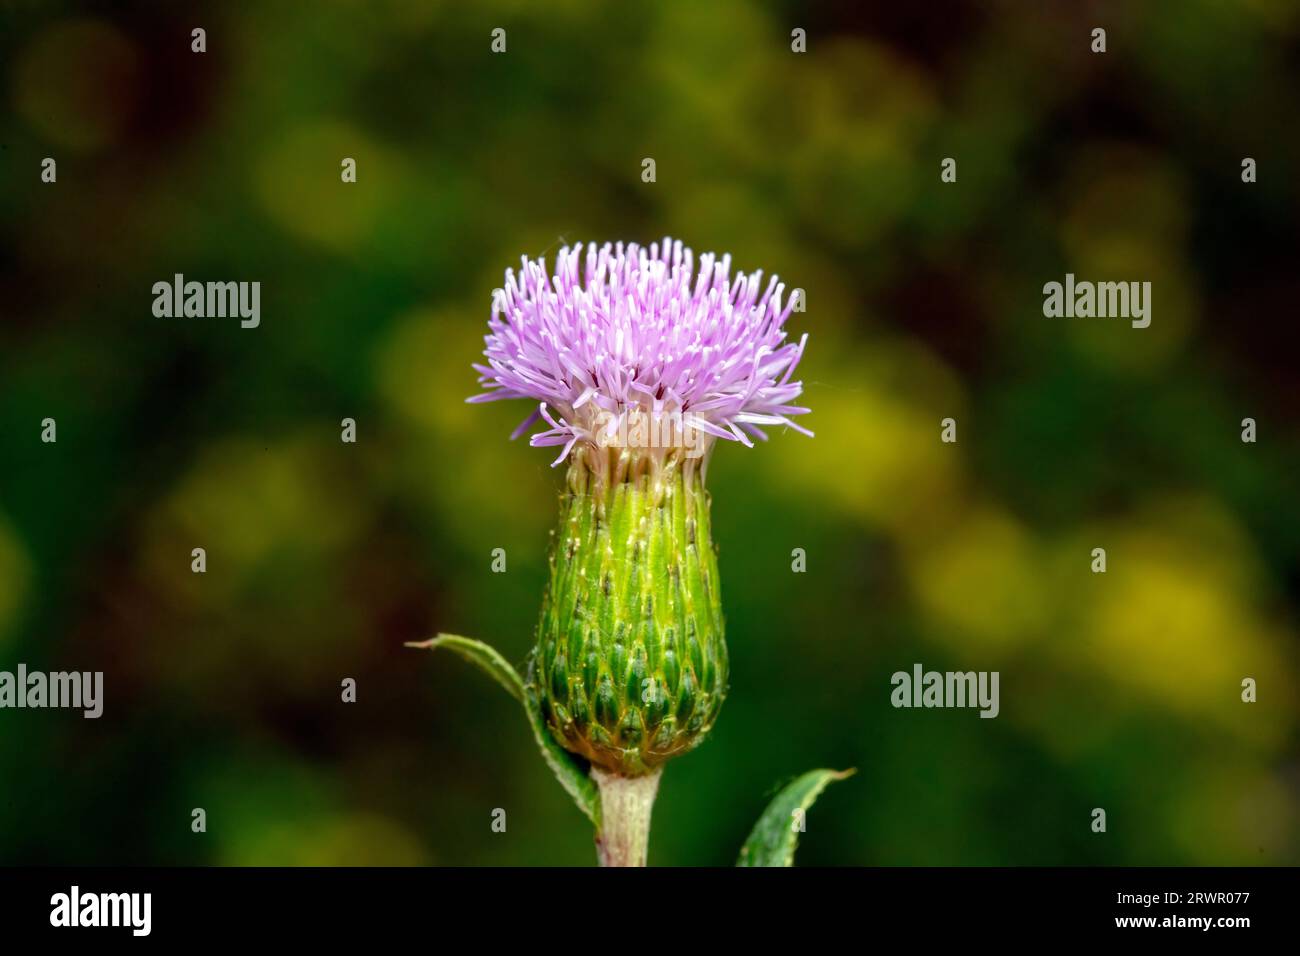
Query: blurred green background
{"points": [[1119, 691]]}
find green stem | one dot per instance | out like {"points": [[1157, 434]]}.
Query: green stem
{"points": [[625, 807]]}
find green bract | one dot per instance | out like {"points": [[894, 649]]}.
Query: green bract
{"points": [[630, 666]]}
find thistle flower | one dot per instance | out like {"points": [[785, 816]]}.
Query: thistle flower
{"points": [[641, 336], [638, 363]]}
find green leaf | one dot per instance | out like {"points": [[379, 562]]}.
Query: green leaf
{"points": [[773, 839], [568, 769], [485, 656]]}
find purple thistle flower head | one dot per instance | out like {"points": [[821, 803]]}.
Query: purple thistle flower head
{"points": [[638, 338]]}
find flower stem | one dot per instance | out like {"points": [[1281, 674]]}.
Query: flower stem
{"points": [[625, 806]]}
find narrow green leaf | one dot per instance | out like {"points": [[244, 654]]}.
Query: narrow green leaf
{"points": [[568, 769], [485, 656], [773, 839], [572, 772]]}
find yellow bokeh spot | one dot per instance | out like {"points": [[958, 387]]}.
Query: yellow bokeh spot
{"points": [[876, 417], [300, 184], [855, 139], [355, 839], [1128, 222], [244, 502], [1176, 619], [980, 580], [462, 464]]}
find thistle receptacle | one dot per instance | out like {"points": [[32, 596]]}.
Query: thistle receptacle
{"points": [[638, 364]]}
